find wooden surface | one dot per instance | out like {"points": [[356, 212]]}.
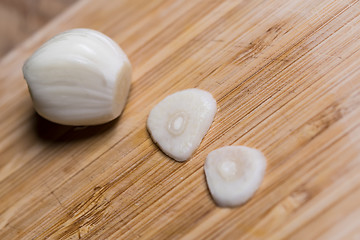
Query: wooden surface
{"points": [[21, 18], [286, 76]]}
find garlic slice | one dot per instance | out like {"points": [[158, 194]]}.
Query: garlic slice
{"points": [[233, 174], [180, 121], [79, 77]]}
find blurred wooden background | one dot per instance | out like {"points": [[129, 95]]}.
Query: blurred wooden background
{"points": [[20, 18]]}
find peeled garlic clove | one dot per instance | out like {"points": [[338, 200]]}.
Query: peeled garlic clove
{"points": [[233, 174], [79, 77], [180, 121]]}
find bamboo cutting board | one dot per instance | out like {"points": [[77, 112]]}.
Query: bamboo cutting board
{"points": [[286, 77]]}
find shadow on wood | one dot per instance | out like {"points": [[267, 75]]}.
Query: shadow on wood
{"points": [[50, 131]]}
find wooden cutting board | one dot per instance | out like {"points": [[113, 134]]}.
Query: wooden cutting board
{"points": [[286, 77]]}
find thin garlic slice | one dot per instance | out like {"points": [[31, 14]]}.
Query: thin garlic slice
{"points": [[180, 121], [79, 77], [233, 174]]}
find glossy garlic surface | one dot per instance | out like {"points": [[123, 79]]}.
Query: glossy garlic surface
{"points": [[79, 77], [180, 121], [233, 174]]}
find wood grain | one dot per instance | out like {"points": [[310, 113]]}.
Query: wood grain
{"points": [[285, 75]]}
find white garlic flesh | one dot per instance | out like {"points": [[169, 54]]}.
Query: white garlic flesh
{"points": [[180, 121], [233, 174], [79, 77]]}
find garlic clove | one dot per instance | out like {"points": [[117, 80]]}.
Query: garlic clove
{"points": [[180, 121], [79, 77], [233, 174]]}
